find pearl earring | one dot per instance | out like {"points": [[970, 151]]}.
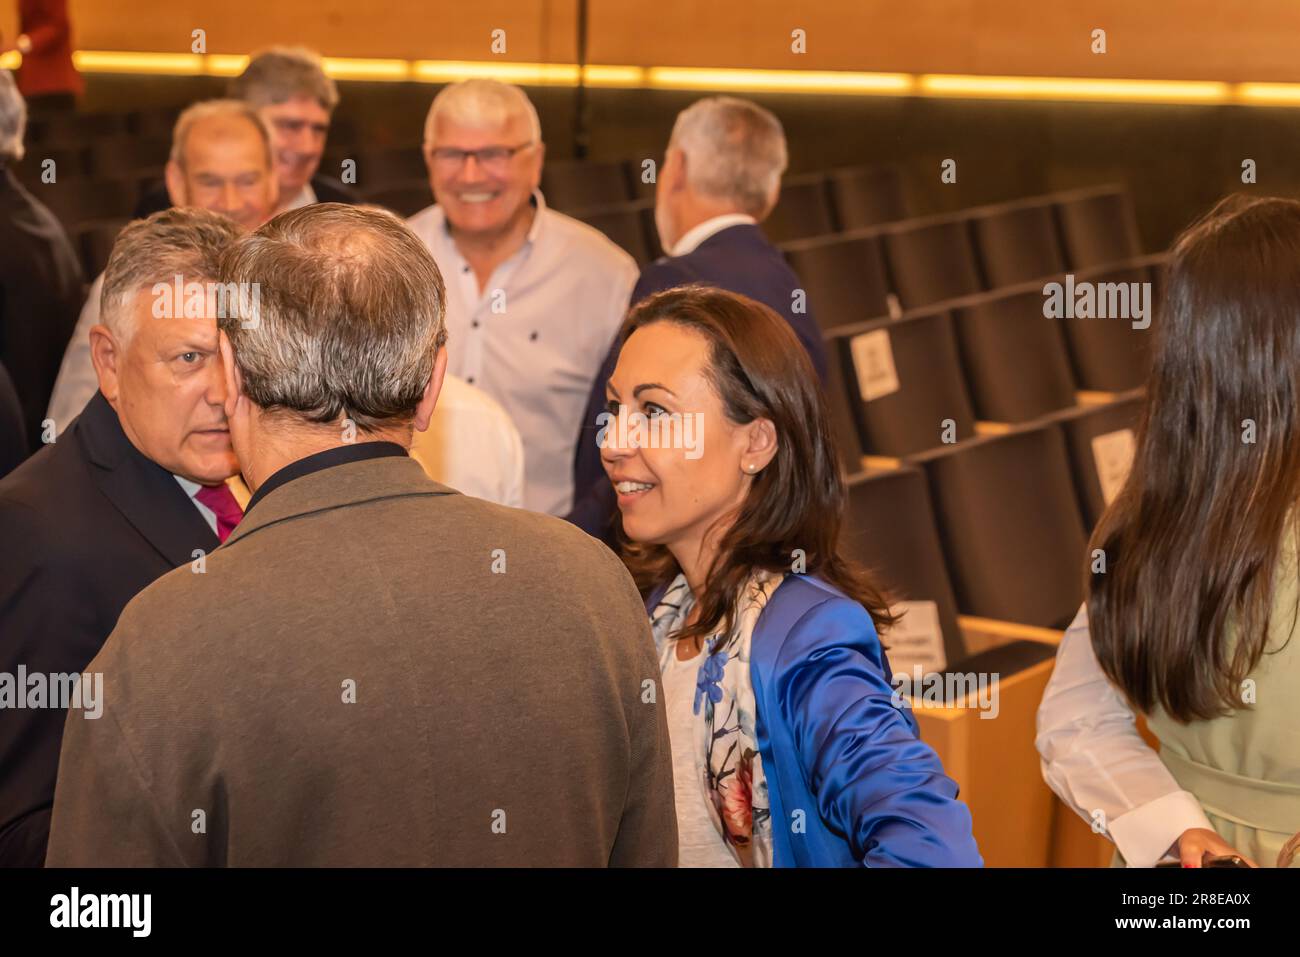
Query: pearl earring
{"points": [[751, 467]]}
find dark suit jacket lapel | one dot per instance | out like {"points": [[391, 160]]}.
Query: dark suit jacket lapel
{"points": [[146, 494]]}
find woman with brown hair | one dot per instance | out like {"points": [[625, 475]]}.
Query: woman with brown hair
{"points": [[789, 744], [1194, 617]]}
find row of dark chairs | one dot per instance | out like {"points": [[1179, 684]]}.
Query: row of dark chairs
{"points": [[995, 526], [127, 154], [613, 197], [73, 129], [105, 158], [810, 204], [907, 265], [900, 384]]}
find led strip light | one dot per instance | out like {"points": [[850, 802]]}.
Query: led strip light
{"points": [[700, 78]]}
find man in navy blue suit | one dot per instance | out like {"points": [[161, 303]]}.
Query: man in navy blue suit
{"points": [[720, 177]]}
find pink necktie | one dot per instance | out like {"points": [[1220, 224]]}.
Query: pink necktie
{"points": [[222, 502]]}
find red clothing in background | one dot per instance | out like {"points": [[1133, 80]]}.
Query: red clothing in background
{"points": [[48, 68]]}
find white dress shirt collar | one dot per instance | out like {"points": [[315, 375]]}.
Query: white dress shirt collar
{"points": [[305, 197], [192, 489], [710, 227]]}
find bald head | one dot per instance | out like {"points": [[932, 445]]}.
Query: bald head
{"points": [[221, 161]]}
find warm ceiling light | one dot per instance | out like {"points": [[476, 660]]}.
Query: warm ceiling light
{"points": [[1074, 88], [104, 61], [1269, 94], [706, 79], [350, 68], [778, 81], [528, 74]]}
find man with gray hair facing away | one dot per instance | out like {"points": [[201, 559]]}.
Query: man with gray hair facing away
{"points": [[720, 178], [374, 669], [534, 297]]}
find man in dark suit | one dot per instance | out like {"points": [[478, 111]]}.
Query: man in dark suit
{"points": [[720, 178], [374, 670], [13, 434], [295, 98], [134, 488], [41, 286]]}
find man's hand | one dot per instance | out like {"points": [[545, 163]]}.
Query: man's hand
{"points": [[1196, 842]]}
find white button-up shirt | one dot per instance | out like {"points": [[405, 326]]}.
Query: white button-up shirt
{"points": [[536, 335], [1096, 761], [471, 445]]}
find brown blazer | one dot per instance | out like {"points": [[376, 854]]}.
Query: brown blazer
{"points": [[501, 717]]}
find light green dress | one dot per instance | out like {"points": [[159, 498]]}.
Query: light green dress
{"points": [[1245, 768]]}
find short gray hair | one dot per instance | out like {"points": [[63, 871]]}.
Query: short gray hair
{"points": [[210, 108], [482, 102], [279, 74], [182, 241], [348, 317], [735, 151], [13, 119]]}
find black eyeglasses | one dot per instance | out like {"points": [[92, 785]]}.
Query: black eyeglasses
{"points": [[493, 158]]}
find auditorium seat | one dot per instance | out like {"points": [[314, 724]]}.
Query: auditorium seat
{"points": [[634, 173], [74, 129], [1110, 355], [904, 382], [1098, 227], [1015, 359], [890, 528], [624, 223], [120, 156], [843, 427], [1101, 440], [864, 196], [76, 201], [345, 132], [93, 240], [405, 199], [159, 122], [802, 210], [844, 277], [381, 168], [71, 162], [1017, 242], [584, 184], [931, 260], [1009, 519]]}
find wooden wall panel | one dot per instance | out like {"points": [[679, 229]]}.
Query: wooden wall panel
{"points": [[1169, 39]]}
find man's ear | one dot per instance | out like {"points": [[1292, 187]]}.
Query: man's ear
{"points": [[175, 184], [424, 411], [106, 356], [234, 381], [541, 159], [673, 171]]}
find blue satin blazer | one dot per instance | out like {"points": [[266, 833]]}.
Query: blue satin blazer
{"points": [[849, 781]]}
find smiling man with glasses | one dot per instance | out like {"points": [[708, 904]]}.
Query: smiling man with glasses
{"points": [[288, 88], [534, 297]]}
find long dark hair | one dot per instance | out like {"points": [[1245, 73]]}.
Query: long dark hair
{"points": [[760, 371], [1193, 542]]}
